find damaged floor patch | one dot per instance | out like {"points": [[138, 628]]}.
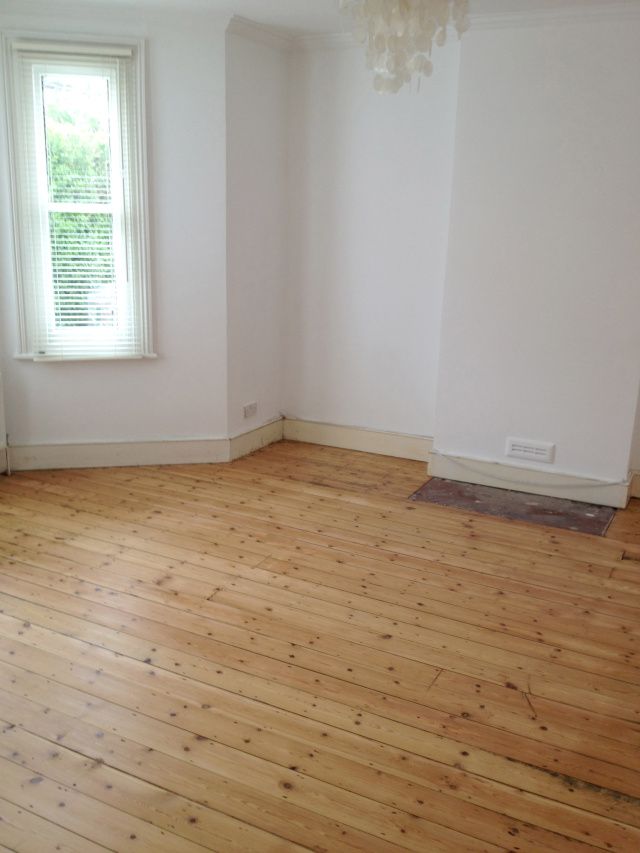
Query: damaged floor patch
{"points": [[503, 503]]}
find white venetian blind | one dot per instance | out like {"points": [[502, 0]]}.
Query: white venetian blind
{"points": [[79, 202]]}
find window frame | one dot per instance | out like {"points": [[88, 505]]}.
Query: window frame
{"points": [[135, 225]]}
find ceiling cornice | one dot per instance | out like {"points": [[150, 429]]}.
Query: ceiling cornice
{"points": [[608, 10], [283, 39], [103, 9], [324, 41], [261, 33]]}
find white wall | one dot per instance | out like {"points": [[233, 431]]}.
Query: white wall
{"points": [[370, 181], [184, 393], [540, 326], [257, 108], [338, 205]]}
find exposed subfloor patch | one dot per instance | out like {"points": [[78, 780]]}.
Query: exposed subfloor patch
{"points": [[503, 503]]}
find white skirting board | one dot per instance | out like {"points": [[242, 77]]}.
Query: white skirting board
{"points": [[125, 454], [4, 458], [529, 480], [357, 438], [28, 458], [121, 454], [249, 442], [400, 445]]}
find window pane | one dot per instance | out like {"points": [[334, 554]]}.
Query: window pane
{"points": [[76, 140], [76, 117], [82, 267]]}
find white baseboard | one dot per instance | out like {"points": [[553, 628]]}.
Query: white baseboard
{"points": [[249, 442], [356, 438], [529, 480], [135, 453], [30, 458]]}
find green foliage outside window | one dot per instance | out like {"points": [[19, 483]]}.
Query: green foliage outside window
{"points": [[78, 165]]}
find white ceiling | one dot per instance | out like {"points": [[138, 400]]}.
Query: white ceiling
{"points": [[322, 16]]}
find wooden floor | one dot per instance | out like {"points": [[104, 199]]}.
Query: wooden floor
{"points": [[284, 654]]}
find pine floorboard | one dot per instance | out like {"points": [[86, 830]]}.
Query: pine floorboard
{"points": [[284, 653]]}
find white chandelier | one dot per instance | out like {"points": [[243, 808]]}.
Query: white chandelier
{"points": [[399, 35]]}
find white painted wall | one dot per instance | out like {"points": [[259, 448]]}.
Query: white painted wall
{"points": [[337, 203], [257, 109], [184, 393], [370, 181], [540, 325]]}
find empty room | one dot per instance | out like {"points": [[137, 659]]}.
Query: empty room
{"points": [[319, 426]]}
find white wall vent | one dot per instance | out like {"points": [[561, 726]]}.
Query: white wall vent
{"points": [[534, 451]]}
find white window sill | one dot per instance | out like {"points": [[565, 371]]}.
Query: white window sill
{"points": [[58, 358]]}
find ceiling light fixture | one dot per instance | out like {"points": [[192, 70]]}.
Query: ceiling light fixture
{"points": [[399, 35]]}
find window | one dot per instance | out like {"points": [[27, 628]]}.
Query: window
{"points": [[79, 201]]}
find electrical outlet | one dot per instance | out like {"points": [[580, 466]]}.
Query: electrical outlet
{"points": [[534, 451], [250, 410]]}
